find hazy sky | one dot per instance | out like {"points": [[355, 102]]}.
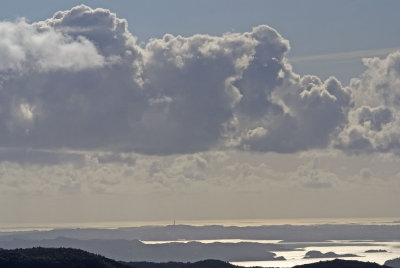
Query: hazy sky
{"points": [[198, 110]]}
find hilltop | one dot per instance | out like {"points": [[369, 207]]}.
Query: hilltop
{"points": [[337, 263], [54, 258]]}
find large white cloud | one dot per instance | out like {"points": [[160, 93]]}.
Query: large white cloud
{"points": [[25, 47], [79, 81]]}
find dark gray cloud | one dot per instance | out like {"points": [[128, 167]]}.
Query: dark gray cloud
{"points": [[374, 117], [316, 111], [79, 81], [173, 96], [92, 107]]}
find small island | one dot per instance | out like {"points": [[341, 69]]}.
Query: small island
{"points": [[314, 254], [375, 251]]}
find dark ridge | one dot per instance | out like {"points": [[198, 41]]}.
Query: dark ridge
{"points": [[394, 263], [54, 258], [337, 263], [199, 264], [39, 257]]}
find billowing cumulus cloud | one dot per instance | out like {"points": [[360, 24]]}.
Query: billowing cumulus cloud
{"points": [[79, 81], [90, 107], [25, 47], [373, 123], [314, 112]]}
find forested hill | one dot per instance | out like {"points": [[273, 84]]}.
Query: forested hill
{"points": [[39, 257], [54, 258], [199, 264], [341, 264]]}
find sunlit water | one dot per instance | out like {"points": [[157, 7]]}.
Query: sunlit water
{"points": [[296, 257]]}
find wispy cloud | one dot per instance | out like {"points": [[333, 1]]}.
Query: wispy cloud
{"points": [[350, 55]]}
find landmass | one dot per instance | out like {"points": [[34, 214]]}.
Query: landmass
{"points": [[395, 263], [55, 258], [341, 264], [135, 250], [255, 242], [318, 254], [375, 251]]}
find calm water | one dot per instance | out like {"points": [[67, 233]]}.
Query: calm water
{"points": [[297, 257]]}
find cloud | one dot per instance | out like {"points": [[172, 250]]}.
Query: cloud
{"points": [[25, 47], [310, 175], [176, 95], [102, 27], [106, 158], [316, 110], [373, 123], [189, 83], [366, 173], [78, 81], [90, 107]]}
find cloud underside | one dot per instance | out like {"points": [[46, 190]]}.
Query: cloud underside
{"points": [[79, 81]]}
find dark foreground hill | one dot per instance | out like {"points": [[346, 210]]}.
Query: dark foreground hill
{"points": [[395, 263], [39, 257], [199, 264], [341, 264], [54, 258]]}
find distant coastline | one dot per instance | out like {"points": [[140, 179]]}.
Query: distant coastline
{"points": [[10, 227]]}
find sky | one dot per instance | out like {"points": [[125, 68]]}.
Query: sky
{"points": [[189, 110]]}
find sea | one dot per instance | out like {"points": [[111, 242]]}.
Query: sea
{"points": [[389, 250]]}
